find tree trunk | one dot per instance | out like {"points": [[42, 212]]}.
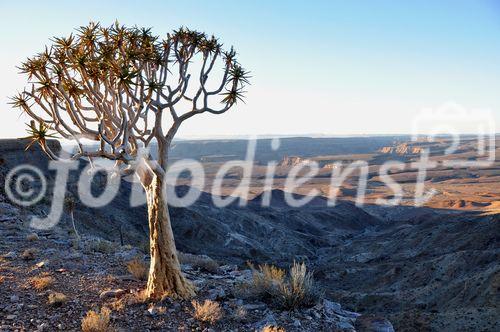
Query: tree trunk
{"points": [[165, 276]]}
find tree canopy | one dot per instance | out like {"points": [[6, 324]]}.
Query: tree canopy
{"points": [[125, 87]]}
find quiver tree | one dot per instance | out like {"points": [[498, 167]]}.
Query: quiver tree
{"points": [[127, 89]]}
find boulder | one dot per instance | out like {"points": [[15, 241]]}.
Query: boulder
{"points": [[371, 323]]}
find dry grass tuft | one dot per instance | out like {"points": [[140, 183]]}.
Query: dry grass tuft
{"points": [[57, 299], [299, 291], [118, 304], [29, 254], [272, 328], [136, 298], [197, 261], [268, 278], [32, 237], [138, 268], [272, 285], [208, 312], [97, 321], [42, 282]]}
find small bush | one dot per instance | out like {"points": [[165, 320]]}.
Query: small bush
{"points": [[97, 321], [200, 262], [32, 237], [265, 281], [299, 291], [272, 328], [270, 284], [29, 254], [138, 269], [57, 299], [41, 282], [208, 312], [268, 278], [100, 245]]}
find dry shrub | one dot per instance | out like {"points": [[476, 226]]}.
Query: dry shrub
{"points": [[57, 299], [42, 282], [272, 328], [299, 291], [137, 297], [131, 299], [265, 281], [200, 262], [208, 312], [97, 321], [119, 304], [100, 245], [111, 279], [32, 237], [270, 284], [2, 279], [240, 314], [29, 254], [268, 278], [138, 268]]}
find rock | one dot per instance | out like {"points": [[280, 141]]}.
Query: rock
{"points": [[350, 314], [228, 268], [152, 311], [296, 323], [32, 237], [371, 323], [243, 276], [346, 326], [42, 327], [255, 306], [316, 314], [216, 294], [331, 308], [268, 320], [41, 264], [14, 298], [10, 255], [11, 317], [111, 293]]}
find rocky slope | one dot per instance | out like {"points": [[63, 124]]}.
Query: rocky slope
{"points": [[425, 269], [92, 275]]}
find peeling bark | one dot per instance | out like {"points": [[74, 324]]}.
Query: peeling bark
{"points": [[165, 276]]}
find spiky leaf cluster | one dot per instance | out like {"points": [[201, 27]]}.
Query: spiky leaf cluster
{"points": [[38, 134]]}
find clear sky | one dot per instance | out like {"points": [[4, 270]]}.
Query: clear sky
{"points": [[318, 67]]}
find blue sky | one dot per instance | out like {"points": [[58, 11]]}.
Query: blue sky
{"points": [[318, 67]]}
